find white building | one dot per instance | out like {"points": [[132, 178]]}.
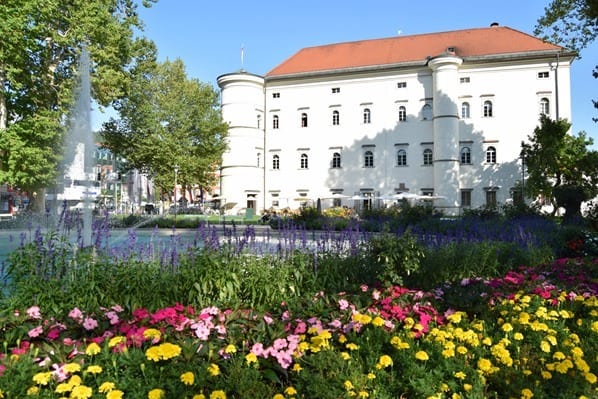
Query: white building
{"points": [[440, 114]]}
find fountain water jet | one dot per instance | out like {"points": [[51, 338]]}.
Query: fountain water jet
{"points": [[77, 167]]}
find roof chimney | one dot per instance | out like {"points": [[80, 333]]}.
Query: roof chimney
{"points": [[494, 24]]}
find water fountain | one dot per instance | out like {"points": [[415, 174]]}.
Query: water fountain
{"points": [[77, 167]]}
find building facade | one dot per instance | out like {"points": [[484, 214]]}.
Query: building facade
{"points": [[364, 123]]}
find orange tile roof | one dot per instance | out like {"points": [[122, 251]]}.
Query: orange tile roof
{"points": [[494, 40]]}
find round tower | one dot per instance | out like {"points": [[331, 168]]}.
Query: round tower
{"points": [[242, 169], [446, 130]]}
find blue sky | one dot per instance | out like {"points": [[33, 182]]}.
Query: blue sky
{"points": [[208, 35]]}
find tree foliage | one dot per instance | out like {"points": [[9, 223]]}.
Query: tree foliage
{"points": [[39, 53], [169, 120], [559, 165]]}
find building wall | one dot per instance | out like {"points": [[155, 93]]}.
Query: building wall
{"points": [[512, 85]]}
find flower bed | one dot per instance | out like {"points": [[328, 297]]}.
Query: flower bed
{"points": [[532, 333]]}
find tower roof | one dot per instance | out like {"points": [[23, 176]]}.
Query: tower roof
{"points": [[468, 43]]}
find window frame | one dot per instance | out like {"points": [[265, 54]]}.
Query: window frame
{"points": [[465, 110], [402, 113], [465, 155], [368, 159], [275, 162], [275, 122], [367, 116], [488, 109], [428, 157], [545, 106], [490, 155], [401, 157], [304, 119], [336, 162], [336, 118], [427, 113], [303, 161], [465, 200]]}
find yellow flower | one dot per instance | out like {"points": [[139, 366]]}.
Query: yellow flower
{"points": [[378, 321], [200, 396], [92, 349], [230, 348], [526, 393], [545, 346], [163, 351], [94, 369], [213, 369], [467, 387], [106, 387], [384, 362], [297, 367], [290, 391], [461, 350], [278, 396], [422, 355], [546, 374], [558, 355], [590, 377], [114, 341], [345, 356], [348, 385], [218, 395], [485, 365], [250, 358], [507, 327], [32, 391], [188, 378], [352, 346], [115, 394], [63, 387], [156, 394], [42, 378], [153, 334], [81, 392], [371, 376], [460, 375], [363, 394], [551, 339]]}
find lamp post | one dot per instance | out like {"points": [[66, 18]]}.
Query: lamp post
{"points": [[176, 171]]}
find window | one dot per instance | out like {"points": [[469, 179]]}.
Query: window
{"points": [[401, 85], [402, 113], [276, 162], [275, 95], [491, 155], [465, 110], [464, 79], [336, 90], [543, 75], [367, 116], [401, 158], [466, 155], [259, 159], [368, 158], [275, 122], [336, 118], [487, 109], [428, 156], [427, 112], [259, 120], [336, 160], [544, 106], [466, 198], [491, 198], [304, 161], [304, 120]]}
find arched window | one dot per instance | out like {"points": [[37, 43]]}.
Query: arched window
{"points": [[304, 120], [276, 162], [544, 106], [465, 155], [428, 156], [491, 155], [336, 118], [487, 109], [465, 110], [275, 122], [336, 160], [402, 113], [401, 158], [427, 112], [368, 158], [304, 163], [367, 116]]}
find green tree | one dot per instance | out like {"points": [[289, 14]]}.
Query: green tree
{"points": [[39, 52], [572, 24], [560, 166], [169, 120]]}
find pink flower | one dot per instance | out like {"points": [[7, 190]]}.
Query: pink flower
{"points": [[76, 314], [34, 312], [258, 350], [343, 304], [268, 319], [89, 323], [36, 332], [301, 328], [113, 317], [279, 343], [285, 315]]}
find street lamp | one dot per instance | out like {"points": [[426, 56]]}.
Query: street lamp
{"points": [[176, 171]]}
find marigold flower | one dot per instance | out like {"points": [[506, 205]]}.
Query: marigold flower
{"points": [[218, 395], [590, 377], [545, 346], [94, 369], [214, 370], [278, 396], [363, 394], [378, 321], [517, 336], [348, 385], [156, 394], [200, 396], [106, 387], [371, 376], [81, 392], [467, 387], [526, 393], [92, 349], [63, 387], [422, 355], [115, 394], [460, 375], [250, 358], [188, 378], [384, 361], [507, 327], [32, 391], [42, 378], [153, 334], [546, 374], [114, 341], [296, 367], [345, 355], [290, 391], [230, 348]]}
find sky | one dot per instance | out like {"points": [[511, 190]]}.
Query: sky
{"points": [[208, 35]]}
